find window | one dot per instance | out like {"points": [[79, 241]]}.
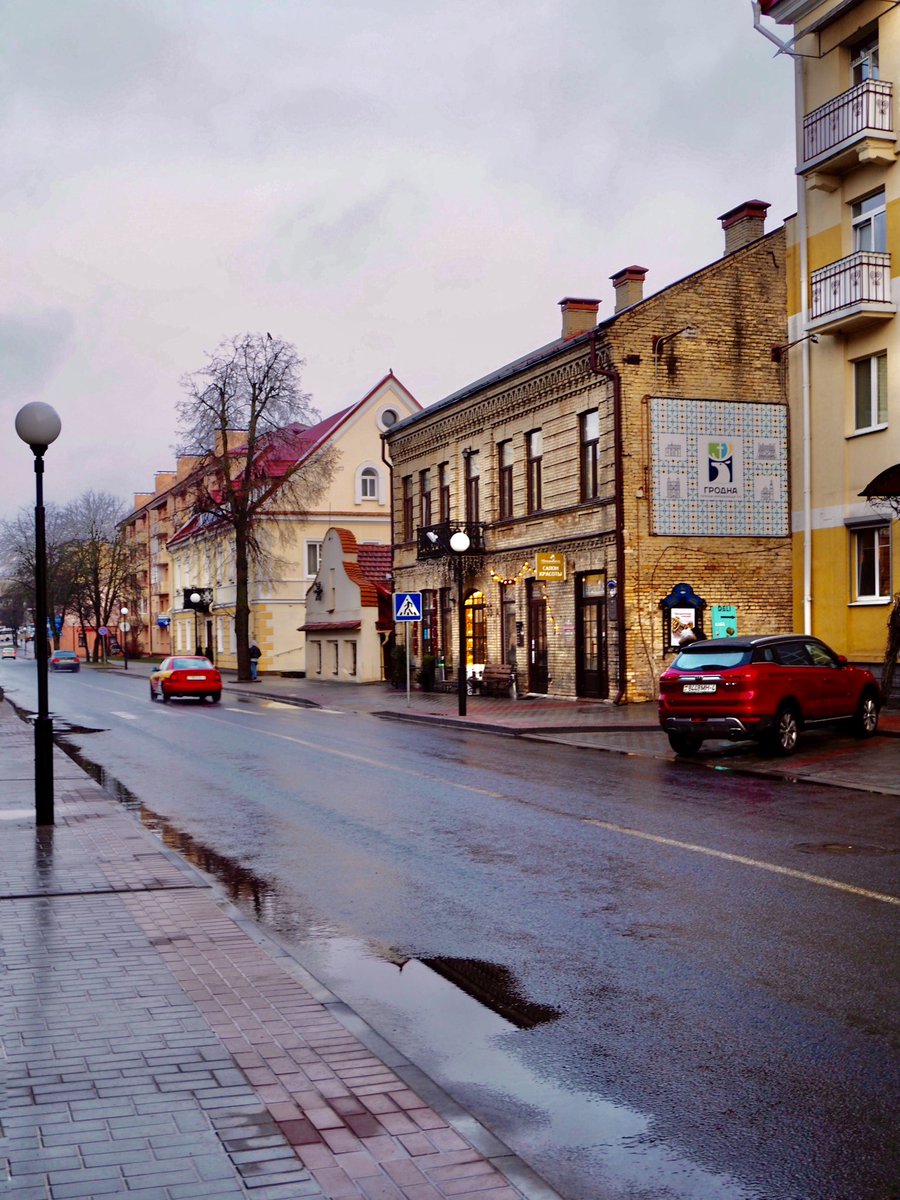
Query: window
{"points": [[473, 472], [534, 444], [872, 560], [407, 508], [313, 559], [864, 59], [425, 498], [368, 484], [317, 657], [505, 479], [443, 492], [350, 657], [590, 453], [870, 224], [335, 657], [870, 392]]}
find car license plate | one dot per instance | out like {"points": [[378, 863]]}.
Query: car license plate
{"points": [[699, 688], [197, 677]]}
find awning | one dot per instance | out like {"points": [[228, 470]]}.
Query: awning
{"points": [[328, 626], [885, 484]]}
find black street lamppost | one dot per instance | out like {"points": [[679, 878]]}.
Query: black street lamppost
{"points": [[124, 627], [195, 599], [459, 544], [39, 425]]}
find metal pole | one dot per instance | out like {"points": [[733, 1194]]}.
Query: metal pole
{"points": [[461, 617], [406, 644], [43, 725]]}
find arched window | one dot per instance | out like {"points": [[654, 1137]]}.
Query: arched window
{"points": [[368, 483]]}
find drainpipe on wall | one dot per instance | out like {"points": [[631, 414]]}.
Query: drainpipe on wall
{"points": [[390, 470], [805, 361], [615, 378]]}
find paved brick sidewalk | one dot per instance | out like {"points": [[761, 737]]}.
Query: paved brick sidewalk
{"points": [[157, 1047]]}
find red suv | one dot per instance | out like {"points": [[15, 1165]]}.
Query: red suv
{"points": [[766, 688]]}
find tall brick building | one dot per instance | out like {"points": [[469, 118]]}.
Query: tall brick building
{"points": [[623, 481]]}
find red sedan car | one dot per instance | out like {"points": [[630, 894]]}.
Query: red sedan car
{"points": [[765, 688], [186, 675]]}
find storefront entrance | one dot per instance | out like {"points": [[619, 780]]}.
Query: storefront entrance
{"points": [[538, 678], [591, 668]]}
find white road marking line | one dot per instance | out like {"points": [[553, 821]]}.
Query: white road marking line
{"points": [[126, 716], [820, 880]]}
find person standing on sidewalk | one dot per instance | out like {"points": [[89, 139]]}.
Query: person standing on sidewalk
{"points": [[255, 656]]}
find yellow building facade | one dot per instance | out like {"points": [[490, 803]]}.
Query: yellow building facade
{"points": [[843, 331], [357, 497]]}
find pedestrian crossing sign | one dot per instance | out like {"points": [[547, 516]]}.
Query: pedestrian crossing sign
{"points": [[407, 606]]}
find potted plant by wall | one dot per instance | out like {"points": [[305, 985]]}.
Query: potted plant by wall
{"points": [[426, 672], [398, 667]]}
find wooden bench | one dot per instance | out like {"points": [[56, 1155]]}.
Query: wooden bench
{"points": [[498, 679]]}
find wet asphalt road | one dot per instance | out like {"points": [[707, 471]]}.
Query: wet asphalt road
{"points": [[687, 983]]}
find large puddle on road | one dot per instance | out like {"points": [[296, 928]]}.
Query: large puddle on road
{"points": [[458, 1020]]}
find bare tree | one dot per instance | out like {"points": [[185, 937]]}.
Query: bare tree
{"points": [[17, 534], [103, 563], [246, 414]]}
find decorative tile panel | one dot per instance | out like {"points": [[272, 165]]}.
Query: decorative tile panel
{"points": [[719, 468]]}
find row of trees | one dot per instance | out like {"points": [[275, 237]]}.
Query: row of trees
{"points": [[91, 570]]}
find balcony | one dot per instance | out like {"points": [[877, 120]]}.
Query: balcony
{"points": [[851, 293], [854, 128], [433, 541]]}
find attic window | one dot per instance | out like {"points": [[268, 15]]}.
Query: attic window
{"points": [[388, 417]]}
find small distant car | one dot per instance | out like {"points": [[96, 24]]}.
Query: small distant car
{"points": [[65, 660], [7, 652], [185, 675], [765, 688]]}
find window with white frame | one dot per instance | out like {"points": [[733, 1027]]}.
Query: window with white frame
{"points": [[872, 562], [313, 559], [870, 223], [368, 483], [870, 392], [864, 59]]}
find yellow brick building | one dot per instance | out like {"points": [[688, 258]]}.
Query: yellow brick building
{"points": [[843, 246], [611, 483]]}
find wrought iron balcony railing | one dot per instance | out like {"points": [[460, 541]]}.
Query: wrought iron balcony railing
{"points": [[433, 541], [860, 279], [867, 107]]}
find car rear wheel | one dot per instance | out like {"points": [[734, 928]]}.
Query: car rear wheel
{"points": [[782, 738], [216, 697], [685, 743], [865, 723], [165, 695]]}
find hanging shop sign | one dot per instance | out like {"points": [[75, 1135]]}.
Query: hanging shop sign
{"points": [[550, 566]]}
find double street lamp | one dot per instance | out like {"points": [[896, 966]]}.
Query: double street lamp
{"points": [[38, 425], [459, 544]]}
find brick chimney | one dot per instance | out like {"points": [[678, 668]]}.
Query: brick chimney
{"points": [[744, 224], [578, 316], [629, 285]]}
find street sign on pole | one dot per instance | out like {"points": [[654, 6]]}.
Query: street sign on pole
{"points": [[407, 606]]}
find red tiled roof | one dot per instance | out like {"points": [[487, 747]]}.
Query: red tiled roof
{"points": [[376, 562]]}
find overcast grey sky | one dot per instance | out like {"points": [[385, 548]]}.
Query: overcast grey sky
{"points": [[406, 184]]}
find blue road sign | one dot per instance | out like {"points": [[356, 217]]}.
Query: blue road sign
{"points": [[407, 606]]}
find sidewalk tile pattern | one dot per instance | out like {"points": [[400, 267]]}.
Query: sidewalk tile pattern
{"points": [[155, 1050]]}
